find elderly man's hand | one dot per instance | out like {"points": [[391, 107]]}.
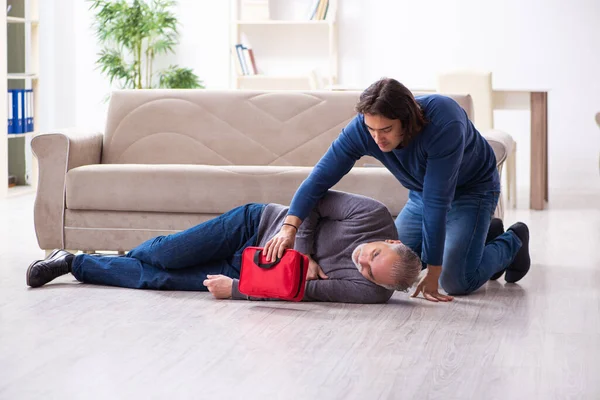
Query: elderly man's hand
{"points": [[314, 270], [219, 285]]}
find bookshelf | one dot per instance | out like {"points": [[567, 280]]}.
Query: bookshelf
{"points": [[19, 64], [282, 22], [291, 51]]}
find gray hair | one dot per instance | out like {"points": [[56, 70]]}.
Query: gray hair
{"points": [[406, 269]]}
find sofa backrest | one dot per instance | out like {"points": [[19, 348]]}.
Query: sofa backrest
{"points": [[227, 127]]}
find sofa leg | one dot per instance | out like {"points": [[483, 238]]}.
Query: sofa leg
{"points": [[499, 212], [511, 178], [121, 253]]}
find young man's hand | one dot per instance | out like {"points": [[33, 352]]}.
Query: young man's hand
{"points": [[314, 270], [219, 285], [283, 240], [429, 285]]}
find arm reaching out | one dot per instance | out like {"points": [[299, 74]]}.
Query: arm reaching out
{"points": [[339, 159], [346, 291], [443, 163], [329, 290]]}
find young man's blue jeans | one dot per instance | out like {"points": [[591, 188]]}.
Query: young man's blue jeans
{"points": [[468, 262], [180, 261]]}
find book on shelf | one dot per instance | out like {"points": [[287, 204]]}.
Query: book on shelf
{"points": [[246, 63], [20, 104], [319, 10]]}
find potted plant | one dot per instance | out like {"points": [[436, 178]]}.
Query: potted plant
{"points": [[133, 33]]}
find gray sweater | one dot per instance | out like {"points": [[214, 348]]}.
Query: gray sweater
{"points": [[338, 223]]}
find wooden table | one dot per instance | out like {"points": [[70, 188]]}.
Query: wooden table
{"points": [[536, 101], [537, 104]]}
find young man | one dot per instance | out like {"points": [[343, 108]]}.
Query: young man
{"points": [[351, 240], [432, 148]]}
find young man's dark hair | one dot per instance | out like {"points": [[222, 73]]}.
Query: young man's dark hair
{"points": [[391, 99]]}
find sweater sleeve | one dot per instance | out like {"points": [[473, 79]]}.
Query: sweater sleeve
{"points": [[305, 238], [341, 206], [339, 159], [346, 291], [237, 295], [235, 291], [334, 291], [444, 156]]}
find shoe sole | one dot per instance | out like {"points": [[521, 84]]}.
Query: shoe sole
{"points": [[37, 261]]}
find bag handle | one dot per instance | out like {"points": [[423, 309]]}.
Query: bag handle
{"points": [[264, 266]]}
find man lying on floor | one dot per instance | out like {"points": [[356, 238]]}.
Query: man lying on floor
{"points": [[350, 239]]}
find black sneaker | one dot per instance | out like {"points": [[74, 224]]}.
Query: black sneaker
{"points": [[496, 229], [521, 263], [56, 264]]}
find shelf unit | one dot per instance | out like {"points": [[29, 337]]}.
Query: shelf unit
{"points": [[19, 64], [283, 22], [20, 20], [20, 135], [291, 51]]}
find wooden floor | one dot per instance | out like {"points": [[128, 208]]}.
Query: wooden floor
{"points": [[536, 340]]}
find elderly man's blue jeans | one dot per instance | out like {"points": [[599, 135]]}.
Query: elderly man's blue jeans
{"points": [[180, 261], [468, 262]]}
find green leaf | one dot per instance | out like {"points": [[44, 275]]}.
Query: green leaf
{"points": [[163, 45], [111, 64], [175, 77], [133, 33]]}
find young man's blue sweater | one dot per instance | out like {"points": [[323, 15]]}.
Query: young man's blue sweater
{"points": [[447, 159]]}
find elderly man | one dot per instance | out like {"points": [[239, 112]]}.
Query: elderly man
{"points": [[350, 240]]}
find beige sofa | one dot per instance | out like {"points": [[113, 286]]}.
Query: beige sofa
{"points": [[170, 159]]}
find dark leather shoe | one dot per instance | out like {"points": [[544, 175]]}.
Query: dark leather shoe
{"points": [[56, 264]]}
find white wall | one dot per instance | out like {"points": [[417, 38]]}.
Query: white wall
{"points": [[543, 44], [537, 44]]}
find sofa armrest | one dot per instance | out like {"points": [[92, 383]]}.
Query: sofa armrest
{"points": [[502, 144], [57, 153]]}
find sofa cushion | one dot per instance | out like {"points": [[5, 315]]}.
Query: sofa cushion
{"points": [[227, 127], [222, 127], [209, 189]]}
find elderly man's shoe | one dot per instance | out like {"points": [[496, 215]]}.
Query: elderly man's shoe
{"points": [[56, 264]]}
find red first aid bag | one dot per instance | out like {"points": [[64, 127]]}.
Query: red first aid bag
{"points": [[284, 278]]}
